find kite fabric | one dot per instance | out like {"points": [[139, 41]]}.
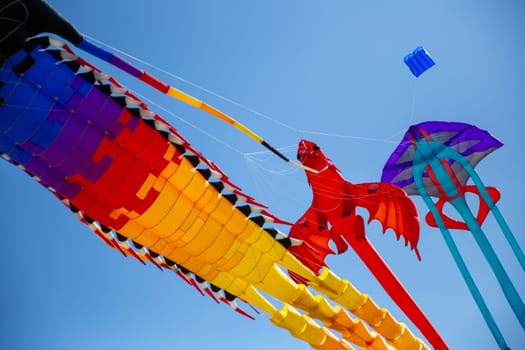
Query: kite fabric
{"points": [[332, 217], [436, 159], [419, 61], [145, 191]]}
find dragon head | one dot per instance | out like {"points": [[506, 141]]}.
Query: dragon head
{"points": [[310, 155]]}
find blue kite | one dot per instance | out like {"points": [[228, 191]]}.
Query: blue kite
{"points": [[419, 61]]}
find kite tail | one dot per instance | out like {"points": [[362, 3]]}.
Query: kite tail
{"points": [[518, 252], [318, 320], [387, 332], [397, 291], [346, 295], [509, 290], [510, 237], [467, 277]]}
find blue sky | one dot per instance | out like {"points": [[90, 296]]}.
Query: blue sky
{"points": [[330, 71]]}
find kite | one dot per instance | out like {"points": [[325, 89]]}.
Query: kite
{"points": [[332, 217], [418, 61], [140, 186], [436, 159]]}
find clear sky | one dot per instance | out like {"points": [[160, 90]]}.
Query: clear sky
{"points": [[331, 71]]}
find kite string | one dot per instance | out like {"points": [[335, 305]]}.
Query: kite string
{"points": [[328, 191], [386, 139], [157, 105], [413, 104], [195, 85]]}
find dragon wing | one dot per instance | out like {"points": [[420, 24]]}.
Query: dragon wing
{"points": [[387, 203], [391, 206]]}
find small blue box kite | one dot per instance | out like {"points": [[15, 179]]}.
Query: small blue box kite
{"points": [[419, 61]]}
